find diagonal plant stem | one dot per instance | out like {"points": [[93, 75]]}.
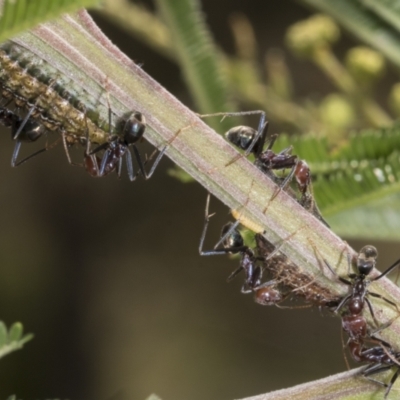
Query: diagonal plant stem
{"points": [[78, 49], [346, 385]]}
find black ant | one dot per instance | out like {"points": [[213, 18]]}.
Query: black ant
{"points": [[364, 263], [117, 147], [252, 141], [22, 130], [265, 293], [382, 357]]}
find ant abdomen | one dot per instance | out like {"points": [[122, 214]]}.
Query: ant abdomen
{"points": [[355, 326], [134, 127], [267, 296], [302, 175], [31, 131]]}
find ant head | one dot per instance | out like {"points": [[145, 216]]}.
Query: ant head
{"points": [[241, 136], [366, 259], [234, 239], [134, 127]]}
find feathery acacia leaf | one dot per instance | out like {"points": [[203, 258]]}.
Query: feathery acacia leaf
{"points": [[17, 16]]}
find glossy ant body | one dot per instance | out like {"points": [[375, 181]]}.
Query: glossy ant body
{"points": [[22, 130], [252, 141], [264, 293], [364, 263], [117, 148], [382, 357]]}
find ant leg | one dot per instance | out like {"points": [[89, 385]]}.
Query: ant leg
{"points": [[283, 185], [278, 246], [119, 167], [139, 160], [261, 130], [371, 310], [206, 222], [260, 133], [342, 303], [390, 269], [159, 157], [91, 154], [155, 164], [15, 153], [66, 149], [375, 369], [391, 383], [28, 115], [203, 235], [16, 150], [129, 166], [272, 140], [23, 123], [228, 233], [234, 273], [378, 296], [103, 161]]}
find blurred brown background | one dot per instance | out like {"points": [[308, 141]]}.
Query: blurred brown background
{"points": [[107, 275]]}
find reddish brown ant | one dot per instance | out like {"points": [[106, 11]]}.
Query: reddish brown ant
{"points": [[382, 357], [364, 263], [252, 141]]}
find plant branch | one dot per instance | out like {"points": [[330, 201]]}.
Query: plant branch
{"points": [[76, 47], [346, 385]]}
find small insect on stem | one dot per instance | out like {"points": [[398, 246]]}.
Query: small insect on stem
{"points": [[252, 141], [266, 293], [364, 262]]}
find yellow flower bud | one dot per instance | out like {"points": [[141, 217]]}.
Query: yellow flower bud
{"points": [[364, 64], [306, 36]]}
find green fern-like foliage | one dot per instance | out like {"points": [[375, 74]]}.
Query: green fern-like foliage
{"points": [[197, 55], [358, 181], [20, 15], [12, 339]]}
